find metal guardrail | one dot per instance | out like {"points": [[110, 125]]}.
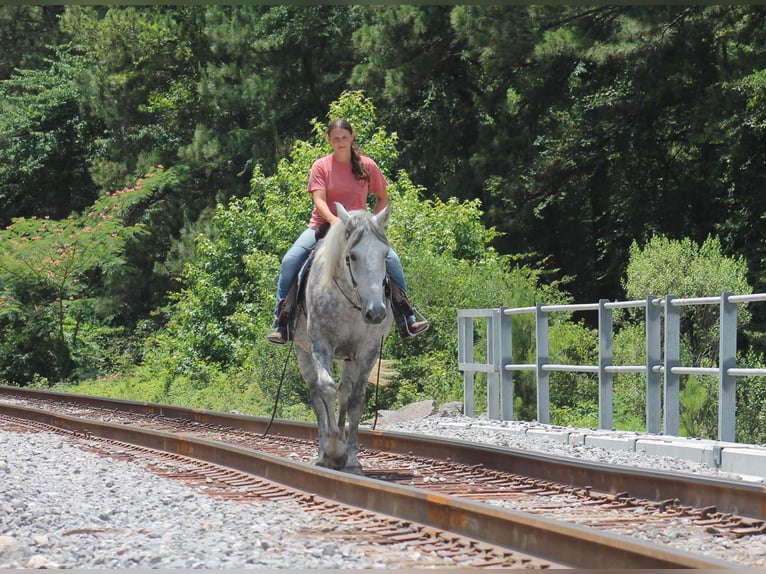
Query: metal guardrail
{"points": [[662, 370]]}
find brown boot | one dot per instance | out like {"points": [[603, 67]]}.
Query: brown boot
{"points": [[406, 323], [280, 334]]}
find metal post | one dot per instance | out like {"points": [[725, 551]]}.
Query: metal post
{"points": [[505, 355], [465, 355], [653, 358], [493, 358], [672, 360], [727, 359], [543, 380], [605, 380]]}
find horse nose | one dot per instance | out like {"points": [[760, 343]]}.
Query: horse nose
{"points": [[375, 314]]}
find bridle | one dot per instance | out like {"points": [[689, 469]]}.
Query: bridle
{"points": [[351, 227], [353, 283]]}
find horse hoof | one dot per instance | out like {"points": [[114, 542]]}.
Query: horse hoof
{"points": [[357, 470], [332, 463]]}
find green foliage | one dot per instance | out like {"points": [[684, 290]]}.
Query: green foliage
{"points": [[572, 343], [412, 63], [27, 34], [136, 78], [52, 273], [751, 396], [44, 145], [698, 414], [629, 348], [265, 70], [218, 320], [685, 269]]}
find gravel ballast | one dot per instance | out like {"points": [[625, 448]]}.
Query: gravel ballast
{"points": [[65, 507], [530, 436]]}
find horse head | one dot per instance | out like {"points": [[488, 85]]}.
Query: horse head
{"points": [[359, 244]]}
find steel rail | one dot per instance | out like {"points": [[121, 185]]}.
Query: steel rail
{"points": [[578, 546], [735, 497]]}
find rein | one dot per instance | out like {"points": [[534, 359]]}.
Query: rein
{"points": [[352, 227], [353, 282], [279, 391]]}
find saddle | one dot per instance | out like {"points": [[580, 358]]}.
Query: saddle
{"points": [[288, 312]]}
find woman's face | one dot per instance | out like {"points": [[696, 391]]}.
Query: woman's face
{"points": [[341, 141]]}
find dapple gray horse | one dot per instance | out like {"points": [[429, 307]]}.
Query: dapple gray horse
{"points": [[345, 316]]}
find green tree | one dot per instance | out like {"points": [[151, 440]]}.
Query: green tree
{"points": [[613, 123], [138, 68], [44, 145], [52, 273], [698, 414], [685, 269], [751, 396], [28, 34], [269, 68], [412, 64]]}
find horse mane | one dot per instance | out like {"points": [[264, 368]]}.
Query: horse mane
{"points": [[342, 233]]}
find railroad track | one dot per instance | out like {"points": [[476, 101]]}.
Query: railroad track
{"points": [[445, 485], [389, 539]]}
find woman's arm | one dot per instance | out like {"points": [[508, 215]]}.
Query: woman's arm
{"points": [[320, 202], [381, 201]]}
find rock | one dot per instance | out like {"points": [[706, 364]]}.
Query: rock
{"points": [[8, 547], [39, 562], [453, 409], [411, 412]]}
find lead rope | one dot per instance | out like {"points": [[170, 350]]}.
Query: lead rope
{"points": [[279, 389]]}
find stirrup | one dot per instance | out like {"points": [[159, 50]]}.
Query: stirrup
{"points": [[412, 329], [279, 336]]}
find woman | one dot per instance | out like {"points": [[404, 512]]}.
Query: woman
{"points": [[347, 177]]}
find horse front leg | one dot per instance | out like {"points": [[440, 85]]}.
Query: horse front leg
{"points": [[344, 390], [309, 373], [354, 383], [324, 398]]}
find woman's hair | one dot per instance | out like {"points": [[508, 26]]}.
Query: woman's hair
{"points": [[357, 168]]}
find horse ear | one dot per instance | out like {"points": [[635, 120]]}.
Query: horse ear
{"points": [[382, 217], [342, 213]]}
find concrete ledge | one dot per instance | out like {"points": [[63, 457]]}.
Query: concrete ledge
{"points": [[577, 438], [701, 452], [611, 442], [517, 430], [748, 462], [561, 436]]}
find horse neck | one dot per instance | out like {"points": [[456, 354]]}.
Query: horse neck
{"points": [[332, 253], [335, 247]]}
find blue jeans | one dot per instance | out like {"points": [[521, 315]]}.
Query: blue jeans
{"points": [[296, 256]]}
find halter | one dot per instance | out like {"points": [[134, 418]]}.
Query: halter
{"points": [[351, 227], [353, 283]]}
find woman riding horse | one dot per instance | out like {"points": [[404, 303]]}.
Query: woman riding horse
{"points": [[346, 177]]}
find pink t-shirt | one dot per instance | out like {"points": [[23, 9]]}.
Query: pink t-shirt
{"points": [[339, 184]]}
